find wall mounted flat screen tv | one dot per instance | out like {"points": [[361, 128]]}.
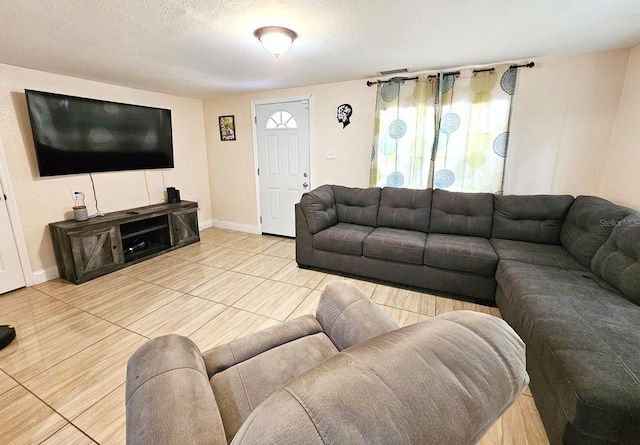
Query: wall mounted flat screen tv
{"points": [[79, 135]]}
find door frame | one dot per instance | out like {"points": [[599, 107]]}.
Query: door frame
{"points": [[312, 151], [14, 219]]}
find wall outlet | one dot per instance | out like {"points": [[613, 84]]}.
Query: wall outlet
{"points": [[76, 194], [331, 153]]}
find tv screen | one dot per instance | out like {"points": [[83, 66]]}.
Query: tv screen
{"points": [[79, 135]]}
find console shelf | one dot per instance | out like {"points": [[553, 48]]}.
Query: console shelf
{"points": [[88, 249]]}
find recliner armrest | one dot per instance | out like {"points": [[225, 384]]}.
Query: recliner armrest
{"points": [[348, 316], [221, 357], [444, 380], [168, 396]]}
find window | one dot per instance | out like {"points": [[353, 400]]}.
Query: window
{"points": [[279, 120]]}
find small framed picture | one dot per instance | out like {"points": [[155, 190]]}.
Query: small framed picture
{"points": [[227, 128]]}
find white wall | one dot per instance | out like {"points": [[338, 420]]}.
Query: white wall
{"points": [[621, 177], [564, 114], [231, 164], [38, 201], [563, 121]]}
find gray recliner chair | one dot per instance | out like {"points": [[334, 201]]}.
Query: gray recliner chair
{"points": [[348, 375]]}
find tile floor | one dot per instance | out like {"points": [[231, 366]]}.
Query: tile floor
{"points": [[62, 379]]}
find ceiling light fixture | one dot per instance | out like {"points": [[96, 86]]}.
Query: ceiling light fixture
{"points": [[275, 39]]}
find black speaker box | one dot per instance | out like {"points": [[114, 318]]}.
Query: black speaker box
{"points": [[173, 195]]}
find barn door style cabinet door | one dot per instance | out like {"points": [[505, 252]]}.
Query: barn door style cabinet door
{"points": [[89, 249]]}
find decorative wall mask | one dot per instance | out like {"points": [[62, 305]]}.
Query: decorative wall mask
{"points": [[344, 113]]}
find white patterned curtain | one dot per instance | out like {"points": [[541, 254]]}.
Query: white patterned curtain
{"points": [[473, 136], [451, 134], [404, 131]]}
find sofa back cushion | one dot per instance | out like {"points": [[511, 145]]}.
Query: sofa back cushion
{"points": [[357, 205], [405, 209], [319, 208], [587, 226], [530, 218], [618, 260], [459, 213]]}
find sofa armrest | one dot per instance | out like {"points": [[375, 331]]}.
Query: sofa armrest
{"points": [[304, 240], [319, 208], [348, 316], [444, 380], [168, 396]]}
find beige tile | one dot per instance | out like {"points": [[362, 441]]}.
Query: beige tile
{"points": [[273, 299], [282, 249], [182, 316], [308, 305], [130, 300], [365, 286], [224, 258], [45, 312], [6, 383], [406, 299], [77, 383], [263, 266], [193, 252], [69, 435], [25, 419], [292, 274], [255, 244], [92, 293], [231, 324], [488, 310], [180, 275], [222, 237], [444, 305], [228, 287], [55, 286], [402, 317], [105, 421], [28, 356], [520, 424], [21, 299]]}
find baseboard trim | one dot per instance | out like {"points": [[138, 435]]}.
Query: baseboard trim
{"points": [[220, 224], [205, 224], [43, 275]]}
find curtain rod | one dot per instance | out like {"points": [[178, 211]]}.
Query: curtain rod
{"points": [[433, 76]]}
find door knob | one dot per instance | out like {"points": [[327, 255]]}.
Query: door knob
{"points": [[305, 185]]}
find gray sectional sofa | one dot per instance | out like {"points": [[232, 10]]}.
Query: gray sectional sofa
{"points": [[564, 272]]}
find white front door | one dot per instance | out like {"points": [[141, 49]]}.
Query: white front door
{"points": [[283, 144], [11, 276]]}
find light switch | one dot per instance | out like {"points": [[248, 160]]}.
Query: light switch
{"points": [[331, 153]]}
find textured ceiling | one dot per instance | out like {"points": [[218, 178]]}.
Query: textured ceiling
{"points": [[204, 48]]}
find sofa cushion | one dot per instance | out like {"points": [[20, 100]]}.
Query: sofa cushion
{"points": [[584, 337], [587, 226], [533, 218], [242, 387], [405, 246], [319, 208], [342, 238], [460, 253], [459, 213], [618, 260], [357, 205], [405, 209], [533, 253]]}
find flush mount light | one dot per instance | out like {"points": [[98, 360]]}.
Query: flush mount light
{"points": [[275, 39]]}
